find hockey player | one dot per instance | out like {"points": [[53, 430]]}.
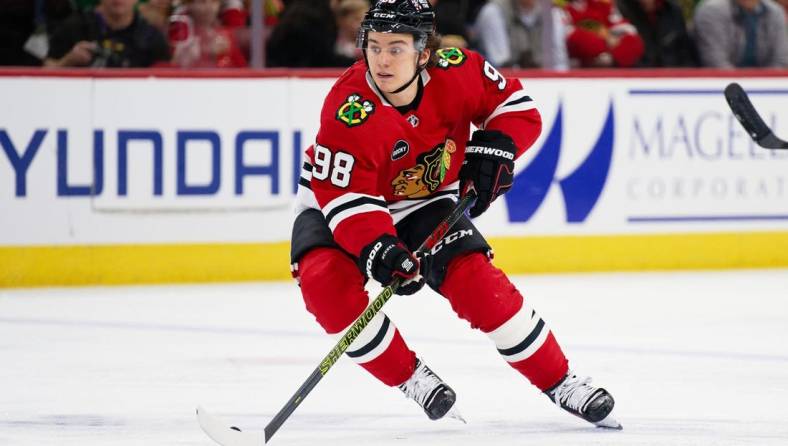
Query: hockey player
{"points": [[392, 153]]}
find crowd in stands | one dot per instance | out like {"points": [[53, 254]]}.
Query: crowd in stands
{"points": [[550, 34]]}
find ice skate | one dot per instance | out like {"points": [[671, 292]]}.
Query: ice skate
{"points": [[433, 395], [577, 396]]}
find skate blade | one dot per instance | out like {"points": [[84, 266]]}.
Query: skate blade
{"points": [[454, 413], [609, 423]]}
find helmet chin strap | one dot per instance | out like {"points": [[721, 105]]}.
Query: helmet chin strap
{"points": [[407, 84], [419, 69]]}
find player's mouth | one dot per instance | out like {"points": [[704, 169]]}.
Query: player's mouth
{"points": [[385, 76]]}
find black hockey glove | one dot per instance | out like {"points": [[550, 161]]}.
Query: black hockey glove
{"points": [[387, 258], [488, 168]]}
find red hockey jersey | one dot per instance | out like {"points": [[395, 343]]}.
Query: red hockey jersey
{"points": [[372, 165]]}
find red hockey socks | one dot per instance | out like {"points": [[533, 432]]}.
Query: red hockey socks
{"points": [[333, 291], [482, 294]]}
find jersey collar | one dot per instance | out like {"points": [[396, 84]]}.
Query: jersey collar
{"points": [[425, 77]]}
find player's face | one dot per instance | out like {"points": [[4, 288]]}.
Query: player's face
{"points": [[392, 59]]}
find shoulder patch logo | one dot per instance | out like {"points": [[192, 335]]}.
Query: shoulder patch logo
{"points": [[450, 57], [355, 110], [400, 149]]}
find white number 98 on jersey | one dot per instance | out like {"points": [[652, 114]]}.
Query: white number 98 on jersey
{"points": [[337, 166]]}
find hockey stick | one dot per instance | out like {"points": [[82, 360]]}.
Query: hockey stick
{"points": [[226, 435], [750, 119]]}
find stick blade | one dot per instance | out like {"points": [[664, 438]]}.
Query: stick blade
{"points": [[772, 142], [744, 111], [225, 435], [749, 118]]}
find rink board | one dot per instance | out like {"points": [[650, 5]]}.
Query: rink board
{"points": [[160, 179], [128, 264]]}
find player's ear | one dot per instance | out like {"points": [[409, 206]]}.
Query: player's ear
{"points": [[424, 57]]}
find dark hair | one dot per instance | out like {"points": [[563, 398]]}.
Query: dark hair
{"points": [[433, 44]]}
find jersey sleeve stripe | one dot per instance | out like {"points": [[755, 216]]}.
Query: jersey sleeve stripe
{"points": [[306, 175], [306, 172], [518, 101], [305, 199]]}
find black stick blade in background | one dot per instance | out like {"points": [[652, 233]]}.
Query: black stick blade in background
{"points": [[749, 118]]}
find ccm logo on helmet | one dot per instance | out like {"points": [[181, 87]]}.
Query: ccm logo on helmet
{"points": [[383, 15], [490, 151]]}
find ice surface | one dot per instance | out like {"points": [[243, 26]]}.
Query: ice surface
{"points": [[691, 358]]}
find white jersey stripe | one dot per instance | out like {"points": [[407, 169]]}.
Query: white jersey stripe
{"points": [[356, 210], [346, 198], [306, 174], [516, 105], [305, 199]]}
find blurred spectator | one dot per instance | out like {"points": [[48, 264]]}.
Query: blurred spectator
{"points": [[688, 10], [510, 34], [233, 14], [741, 33], [272, 9], [784, 3], [349, 15], [86, 5], [111, 35], [304, 38], [660, 23], [450, 16], [600, 37], [24, 29], [157, 13], [200, 41]]}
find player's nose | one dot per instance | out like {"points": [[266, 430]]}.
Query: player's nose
{"points": [[384, 60]]}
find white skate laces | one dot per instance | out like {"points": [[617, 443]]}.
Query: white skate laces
{"points": [[577, 396], [421, 385], [573, 393]]}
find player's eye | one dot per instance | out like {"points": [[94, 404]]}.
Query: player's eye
{"points": [[395, 51], [375, 50]]}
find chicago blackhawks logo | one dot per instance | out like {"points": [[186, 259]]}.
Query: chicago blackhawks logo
{"points": [[355, 111], [424, 178], [450, 57]]}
